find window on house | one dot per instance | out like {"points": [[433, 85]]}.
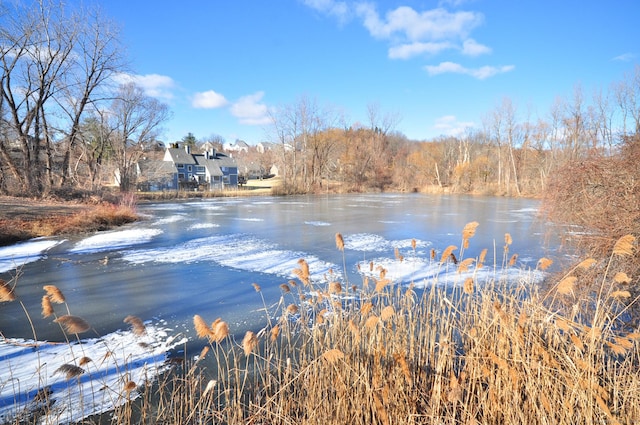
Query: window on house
{"points": [[199, 169], [189, 168], [180, 176], [180, 166]]}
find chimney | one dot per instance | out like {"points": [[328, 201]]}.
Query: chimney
{"points": [[187, 148]]}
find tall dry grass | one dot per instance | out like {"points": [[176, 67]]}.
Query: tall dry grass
{"points": [[483, 352], [486, 351]]}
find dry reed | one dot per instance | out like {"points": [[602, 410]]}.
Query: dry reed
{"points": [[73, 324], [6, 292]]}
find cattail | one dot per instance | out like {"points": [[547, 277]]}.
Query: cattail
{"points": [[446, 254], [468, 286], [137, 326], [54, 293], [513, 260], [219, 330], [339, 242], [332, 356], [47, 307], [73, 324], [69, 370], [483, 255], [565, 286], [256, 287], [335, 288], [413, 244], [469, 230], [202, 328], [285, 288], [544, 263], [433, 254], [624, 245], [387, 313], [6, 292], [249, 342]]}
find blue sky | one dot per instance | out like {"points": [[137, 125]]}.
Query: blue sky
{"points": [[440, 66]]}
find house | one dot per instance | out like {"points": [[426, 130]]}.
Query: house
{"points": [[182, 169], [238, 146]]}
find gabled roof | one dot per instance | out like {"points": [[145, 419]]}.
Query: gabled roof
{"points": [[156, 167], [212, 165], [180, 156]]}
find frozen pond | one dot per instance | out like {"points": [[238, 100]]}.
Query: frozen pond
{"points": [[202, 256]]}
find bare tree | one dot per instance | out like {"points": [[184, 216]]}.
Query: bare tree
{"points": [[135, 119]]}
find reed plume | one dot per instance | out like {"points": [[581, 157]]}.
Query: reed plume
{"points": [[84, 360], [47, 307], [469, 230], [249, 342], [333, 355], [468, 286], [219, 330], [387, 313], [54, 293], [335, 288], [69, 370], [73, 324], [446, 254], [202, 328], [303, 272], [566, 285], [130, 386], [339, 242], [621, 277], [6, 292], [624, 245], [544, 263], [137, 326], [285, 288], [507, 239], [256, 287]]}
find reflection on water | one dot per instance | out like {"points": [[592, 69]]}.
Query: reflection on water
{"points": [[201, 257]]}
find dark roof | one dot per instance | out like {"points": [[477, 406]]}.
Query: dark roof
{"points": [[180, 156]]}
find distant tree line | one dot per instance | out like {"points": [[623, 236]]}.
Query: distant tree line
{"points": [[511, 154]]}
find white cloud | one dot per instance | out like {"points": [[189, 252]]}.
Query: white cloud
{"points": [[625, 57], [406, 51], [479, 73], [250, 110], [435, 24], [154, 85], [208, 100], [337, 9], [450, 126], [470, 47]]}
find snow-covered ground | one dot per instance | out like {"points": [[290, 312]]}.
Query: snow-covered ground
{"points": [[79, 379]]}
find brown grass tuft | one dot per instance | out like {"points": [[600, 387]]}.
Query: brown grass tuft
{"points": [[6, 292], [137, 326], [219, 330], [339, 242], [332, 356], [47, 307], [387, 313], [446, 254], [249, 342], [69, 370], [335, 288], [130, 386], [469, 230], [54, 293], [624, 245], [544, 263], [468, 286], [73, 324], [566, 285]]}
